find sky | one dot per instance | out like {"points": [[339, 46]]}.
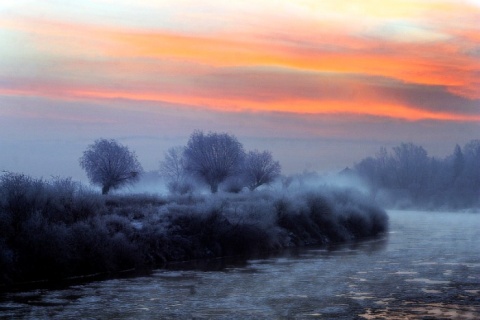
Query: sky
{"points": [[320, 83]]}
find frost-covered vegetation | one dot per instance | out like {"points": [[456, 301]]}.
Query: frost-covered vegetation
{"points": [[408, 177], [52, 230], [110, 165], [217, 160]]}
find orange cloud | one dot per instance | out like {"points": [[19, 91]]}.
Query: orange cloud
{"points": [[429, 64], [369, 107], [437, 63], [372, 108]]}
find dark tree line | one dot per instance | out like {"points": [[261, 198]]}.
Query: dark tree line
{"points": [[408, 174]]}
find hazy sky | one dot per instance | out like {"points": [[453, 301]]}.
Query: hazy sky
{"points": [[321, 84]]}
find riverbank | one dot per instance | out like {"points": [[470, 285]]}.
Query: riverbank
{"points": [[49, 234]]}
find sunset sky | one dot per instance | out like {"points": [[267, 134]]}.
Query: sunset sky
{"points": [[321, 84]]}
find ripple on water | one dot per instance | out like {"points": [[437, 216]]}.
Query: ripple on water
{"points": [[405, 272], [427, 281], [431, 290]]}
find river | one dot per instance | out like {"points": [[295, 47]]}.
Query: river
{"points": [[428, 266]]}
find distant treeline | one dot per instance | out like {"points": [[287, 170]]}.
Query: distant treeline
{"points": [[52, 230], [407, 177]]}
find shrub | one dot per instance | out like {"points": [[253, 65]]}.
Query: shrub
{"points": [[50, 230]]}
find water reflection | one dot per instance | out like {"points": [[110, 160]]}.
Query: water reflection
{"points": [[427, 266], [243, 264]]}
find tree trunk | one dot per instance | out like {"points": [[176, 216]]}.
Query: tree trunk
{"points": [[105, 189], [214, 187]]}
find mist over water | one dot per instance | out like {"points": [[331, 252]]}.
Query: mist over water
{"points": [[427, 266]]}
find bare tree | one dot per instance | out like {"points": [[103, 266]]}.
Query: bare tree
{"points": [[110, 164], [213, 157], [260, 168], [173, 169]]}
